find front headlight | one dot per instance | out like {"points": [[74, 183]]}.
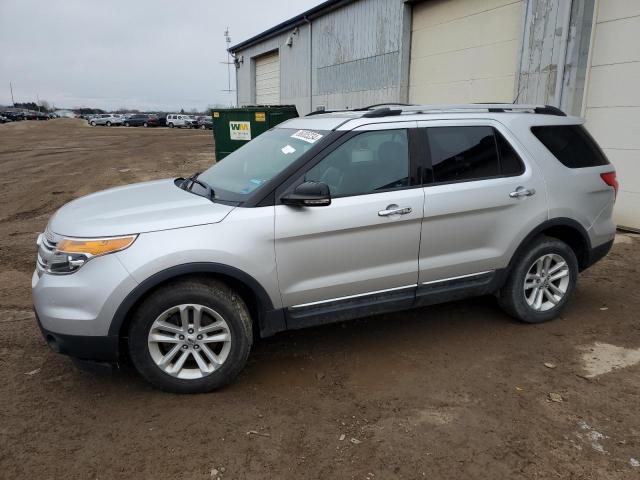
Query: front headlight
{"points": [[70, 254]]}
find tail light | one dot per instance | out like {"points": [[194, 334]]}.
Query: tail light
{"points": [[610, 179]]}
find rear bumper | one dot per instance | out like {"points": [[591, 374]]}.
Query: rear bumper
{"points": [[598, 253], [82, 347]]}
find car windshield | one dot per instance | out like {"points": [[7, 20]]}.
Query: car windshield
{"points": [[258, 161]]}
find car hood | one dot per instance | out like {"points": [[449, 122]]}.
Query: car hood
{"points": [[137, 208]]}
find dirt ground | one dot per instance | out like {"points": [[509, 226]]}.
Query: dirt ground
{"points": [[456, 391]]}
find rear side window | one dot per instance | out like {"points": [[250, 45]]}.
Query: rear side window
{"points": [[571, 145], [461, 154]]}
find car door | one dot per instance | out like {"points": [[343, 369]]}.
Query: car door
{"points": [[483, 196], [361, 251]]}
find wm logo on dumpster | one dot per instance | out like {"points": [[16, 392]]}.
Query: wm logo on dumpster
{"points": [[240, 130]]}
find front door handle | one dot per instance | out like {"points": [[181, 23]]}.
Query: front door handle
{"points": [[522, 192], [394, 210]]}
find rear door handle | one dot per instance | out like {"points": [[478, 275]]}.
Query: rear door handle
{"points": [[522, 192], [394, 210]]}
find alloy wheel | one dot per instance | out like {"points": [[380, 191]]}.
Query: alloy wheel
{"points": [[546, 282], [189, 341]]}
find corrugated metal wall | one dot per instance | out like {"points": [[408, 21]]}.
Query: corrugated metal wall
{"points": [[555, 49], [357, 55], [294, 69]]}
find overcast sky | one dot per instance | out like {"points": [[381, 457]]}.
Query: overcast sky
{"points": [[144, 54]]}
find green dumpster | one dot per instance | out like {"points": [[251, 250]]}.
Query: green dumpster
{"points": [[233, 127]]}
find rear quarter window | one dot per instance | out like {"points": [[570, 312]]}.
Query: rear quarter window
{"points": [[571, 145]]}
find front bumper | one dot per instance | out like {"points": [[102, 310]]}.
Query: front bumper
{"points": [[74, 312], [82, 347]]}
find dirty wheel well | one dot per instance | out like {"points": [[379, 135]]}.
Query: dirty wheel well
{"points": [[572, 237], [246, 293]]}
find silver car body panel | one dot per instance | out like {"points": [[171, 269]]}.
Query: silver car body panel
{"points": [[137, 208], [244, 240], [307, 256], [84, 303], [476, 226]]}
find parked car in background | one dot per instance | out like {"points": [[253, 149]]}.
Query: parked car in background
{"points": [[106, 119], [162, 120], [141, 120], [4, 119], [179, 120], [13, 115], [205, 122]]}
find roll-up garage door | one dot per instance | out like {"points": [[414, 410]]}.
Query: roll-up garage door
{"points": [[464, 51], [268, 79]]}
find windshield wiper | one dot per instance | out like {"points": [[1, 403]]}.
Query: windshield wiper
{"points": [[188, 184]]}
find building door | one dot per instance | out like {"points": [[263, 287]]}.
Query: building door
{"points": [[464, 51], [612, 106], [268, 79]]}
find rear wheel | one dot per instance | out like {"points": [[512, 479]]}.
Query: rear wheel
{"points": [[170, 125], [108, 124], [191, 336], [541, 282]]}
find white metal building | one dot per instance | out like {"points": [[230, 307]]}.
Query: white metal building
{"points": [[580, 55]]}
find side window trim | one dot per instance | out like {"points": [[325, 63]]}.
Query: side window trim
{"points": [[428, 176], [413, 156]]}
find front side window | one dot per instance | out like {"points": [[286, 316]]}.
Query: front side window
{"points": [[258, 161], [470, 153], [367, 163]]}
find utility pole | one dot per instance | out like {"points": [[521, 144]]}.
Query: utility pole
{"points": [[228, 63], [12, 100]]}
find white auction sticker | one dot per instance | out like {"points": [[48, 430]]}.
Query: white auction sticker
{"points": [[307, 136]]}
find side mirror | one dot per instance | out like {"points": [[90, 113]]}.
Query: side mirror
{"points": [[309, 194]]}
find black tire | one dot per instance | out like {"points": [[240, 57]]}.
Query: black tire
{"points": [[170, 125], [93, 124], [108, 124], [512, 295], [206, 292], [202, 127]]}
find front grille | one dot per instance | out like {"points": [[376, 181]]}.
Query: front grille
{"points": [[47, 244]]}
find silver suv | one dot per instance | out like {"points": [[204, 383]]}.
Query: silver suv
{"points": [[323, 219], [106, 119]]}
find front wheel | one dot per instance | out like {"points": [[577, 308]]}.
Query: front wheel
{"points": [[93, 124], [541, 281], [108, 124], [192, 336]]}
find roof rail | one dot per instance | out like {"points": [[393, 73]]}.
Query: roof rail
{"points": [[320, 112], [382, 112], [390, 104], [486, 107]]}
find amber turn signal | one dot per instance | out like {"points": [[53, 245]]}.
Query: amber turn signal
{"points": [[97, 246]]}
